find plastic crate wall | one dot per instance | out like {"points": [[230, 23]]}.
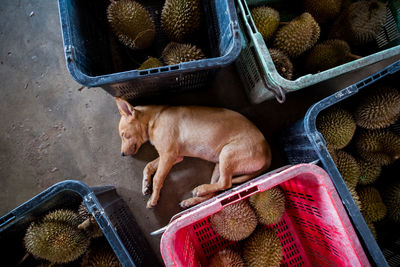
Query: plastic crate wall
{"points": [[314, 231], [303, 143], [258, 73], [94, 57], [110, 211]]}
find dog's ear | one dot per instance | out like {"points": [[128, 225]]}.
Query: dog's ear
{"points": [[125, 108]]}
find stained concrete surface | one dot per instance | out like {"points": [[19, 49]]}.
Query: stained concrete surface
{"points": [[52, 129]]}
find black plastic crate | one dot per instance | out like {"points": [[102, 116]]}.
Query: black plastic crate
{"points": [[110, 211], [303, 143], [95, 57]]}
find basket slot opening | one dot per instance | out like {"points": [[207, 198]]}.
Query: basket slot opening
{"points": [[229, 200], [249, 191], [175, 68]]}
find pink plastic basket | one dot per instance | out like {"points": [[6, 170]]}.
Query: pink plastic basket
{"points": [[314, 231]]}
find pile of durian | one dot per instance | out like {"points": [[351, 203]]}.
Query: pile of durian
{"points": [[362, 144], [249, 222], [322, 36], [135, 28], [64, 237]]}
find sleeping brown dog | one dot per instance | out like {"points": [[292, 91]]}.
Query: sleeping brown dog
{"points": [[237, 147]]}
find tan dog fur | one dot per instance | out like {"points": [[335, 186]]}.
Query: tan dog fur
{"points": [[214, 134]]}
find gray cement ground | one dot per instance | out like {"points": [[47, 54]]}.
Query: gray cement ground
{"points": [[51, 130]]}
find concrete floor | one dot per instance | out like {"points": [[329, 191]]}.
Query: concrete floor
{"points": [[52, 130]]}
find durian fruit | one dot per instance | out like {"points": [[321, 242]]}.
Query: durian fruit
{"points": [[391, 197], [327, 55], [373, 208], [371, 227], [180, 18], [369, 172], [266, 20], [381, 147], [100, 255], [262, 248], [56, 241], [151, 62], [348, 168], [337, 126], [226, 258], [269, 205], [234, 222], [131, 23], [175, 53], [298, 36], [332, 152], [323, 10], [63, 216], [88, 222], [355, 197], [378, 109], [282, 63], [360, 23]]}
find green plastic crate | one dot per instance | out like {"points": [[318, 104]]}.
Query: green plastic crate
{"points": [[257, 71]]}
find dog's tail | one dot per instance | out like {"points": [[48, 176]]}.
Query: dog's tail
{"points": [[244, 178]]}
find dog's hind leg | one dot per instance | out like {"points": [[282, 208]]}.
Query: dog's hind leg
{"points": [[194, 201], [243, 178]]}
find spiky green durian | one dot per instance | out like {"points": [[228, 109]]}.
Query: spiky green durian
{"points": [[100, 254], [355, 197], [266, 20], [371, 227], [381, 147], [337, 126], [131, 23], [151, 62], [63, 216], [298, 36], [226, 258], [360, 23], [332, 152], [373, 208], [326, 55], [175, 53], [378, 109], [234, 222], [391, 197], [282, 63], [269, 205], [180, 18], [88, 222], [262, 248], [323, 10], [348, 168], [369, 172], [56, 241]]}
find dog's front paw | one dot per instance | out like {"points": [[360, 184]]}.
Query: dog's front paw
{"points": [[151, 204], [200, 191], [146, 188]]}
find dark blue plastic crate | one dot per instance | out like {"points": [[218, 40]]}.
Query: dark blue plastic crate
{"points": [[110, 211], [94, 56], [303, 143]]}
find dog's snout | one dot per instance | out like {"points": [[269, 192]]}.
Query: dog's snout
{"points": [[123, 154]]}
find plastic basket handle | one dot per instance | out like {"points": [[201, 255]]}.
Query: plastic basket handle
{"points": [[279, 94]]}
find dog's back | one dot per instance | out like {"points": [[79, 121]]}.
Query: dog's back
{"points": [[203, 131]]}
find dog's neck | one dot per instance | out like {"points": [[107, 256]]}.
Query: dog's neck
{"points": [[149, 116]]}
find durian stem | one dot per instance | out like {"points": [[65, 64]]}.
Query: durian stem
{"points": [[283, 23], [350, 55], [23, 259], [85, 224]]}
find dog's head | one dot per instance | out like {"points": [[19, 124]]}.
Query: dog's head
{"points": [[131, 129]]}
